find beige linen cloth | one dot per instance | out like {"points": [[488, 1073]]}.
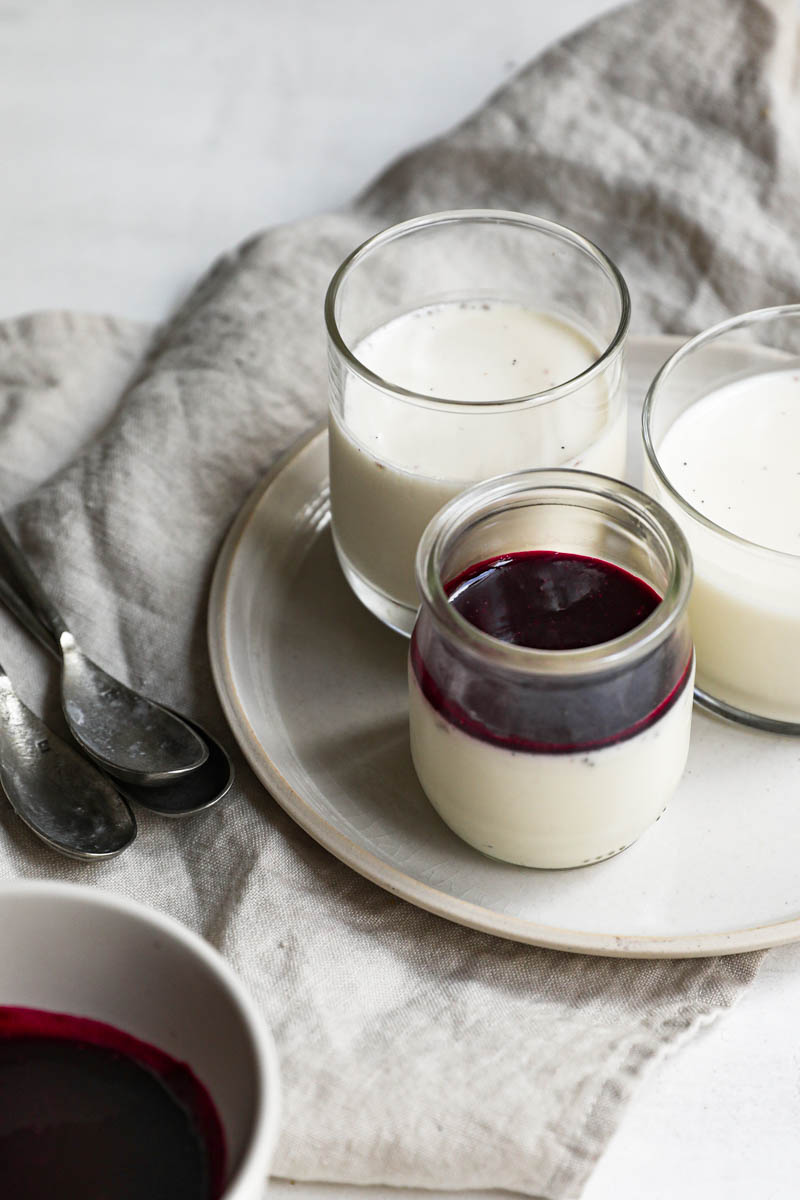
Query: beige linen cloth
{"points": [[414, 1052]]}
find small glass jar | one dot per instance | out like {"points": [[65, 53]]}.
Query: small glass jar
{"points": [[551, 758], [745, 605], [462, 345]]}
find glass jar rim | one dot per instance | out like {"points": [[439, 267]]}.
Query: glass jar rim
{"points": [[477, 216], [502, 492], [739, 321]]}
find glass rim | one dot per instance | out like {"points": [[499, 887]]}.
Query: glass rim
{"points": [[486, 498], [741, 320], [489, 216]]}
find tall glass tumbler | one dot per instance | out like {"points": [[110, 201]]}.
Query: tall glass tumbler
{"points": [[463, 345]]}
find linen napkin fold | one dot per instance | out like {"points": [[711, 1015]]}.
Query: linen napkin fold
{"points": [[414, 1052]]}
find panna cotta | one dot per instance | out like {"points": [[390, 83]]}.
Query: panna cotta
{"points": [[735, 456], [443, 394], [550, 692], [724, 460], [392, 467]]}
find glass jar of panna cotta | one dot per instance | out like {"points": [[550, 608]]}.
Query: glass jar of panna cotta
{"points": [[461, 346], [551, 666], [721, 427]]}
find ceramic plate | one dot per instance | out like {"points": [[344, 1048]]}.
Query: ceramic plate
{"points": [[314, 689]]}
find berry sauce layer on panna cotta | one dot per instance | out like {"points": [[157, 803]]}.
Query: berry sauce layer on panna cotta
{"points": [[535, 764]]}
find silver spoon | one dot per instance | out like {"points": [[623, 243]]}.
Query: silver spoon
{"points": [[132, 738], [193, 793], [199, 790], [66, 801]]}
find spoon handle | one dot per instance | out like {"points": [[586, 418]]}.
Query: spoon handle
{"points": [[32, 591], [12, 600]]}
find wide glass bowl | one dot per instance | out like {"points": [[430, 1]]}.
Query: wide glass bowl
{"points": [[731, 398]]}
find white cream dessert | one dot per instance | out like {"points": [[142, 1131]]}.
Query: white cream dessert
{"points": [[589, 804], [394, 463], [559, 772], [734, 456]]}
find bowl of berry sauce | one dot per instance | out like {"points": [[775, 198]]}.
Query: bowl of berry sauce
{"points": [[551, 667], [132, 1062]]}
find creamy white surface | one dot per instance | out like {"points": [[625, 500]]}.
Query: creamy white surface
{"points": [[394, 464], [548, 810], [478, 351], [735, 456]]}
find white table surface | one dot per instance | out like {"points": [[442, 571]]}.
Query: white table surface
{"points": [[140, 138]]}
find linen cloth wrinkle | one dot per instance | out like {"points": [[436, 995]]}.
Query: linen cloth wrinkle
{"points": [[414, 1052]]}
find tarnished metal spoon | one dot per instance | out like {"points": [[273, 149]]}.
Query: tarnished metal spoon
{"points": [[66, 801], [132, 738], [193, 793], [199, 790]]}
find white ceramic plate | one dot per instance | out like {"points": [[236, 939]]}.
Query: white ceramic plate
{"points": [[314, 689]]}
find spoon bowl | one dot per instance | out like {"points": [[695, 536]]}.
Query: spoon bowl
{"points": [[132, 738], [128, 735], [60, 796], [192, 793]]}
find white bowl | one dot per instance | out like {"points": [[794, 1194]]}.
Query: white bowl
{"points": [[91, 953]]}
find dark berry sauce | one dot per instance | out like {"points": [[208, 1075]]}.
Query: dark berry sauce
{"points": [[88, 1112], [552, 601]]}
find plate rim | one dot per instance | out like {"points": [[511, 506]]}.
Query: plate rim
{"points": [[384, 874]]}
